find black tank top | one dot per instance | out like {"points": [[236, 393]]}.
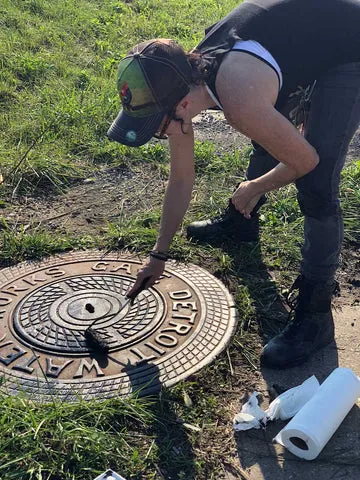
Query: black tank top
{"points": [[306, 37]]}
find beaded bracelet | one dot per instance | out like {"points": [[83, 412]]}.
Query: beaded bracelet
{"points": [[159, 255]]}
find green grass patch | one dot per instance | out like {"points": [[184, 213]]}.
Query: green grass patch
{"points": [[73, 441], [20, 244], [350, 200], [58, 63]]}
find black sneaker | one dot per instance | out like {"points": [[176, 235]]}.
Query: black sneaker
{"points": [[311, 326], [230, 223]]}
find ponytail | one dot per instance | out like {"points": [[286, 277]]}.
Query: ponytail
{"points": [[199, 67]]}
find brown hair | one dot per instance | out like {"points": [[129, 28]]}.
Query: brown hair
{"points": [[199, 67]]}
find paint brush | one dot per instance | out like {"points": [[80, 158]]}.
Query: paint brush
{"points": [[94, 339]]}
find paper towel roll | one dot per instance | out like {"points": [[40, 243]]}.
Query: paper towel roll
{"points": [[313, 426]]}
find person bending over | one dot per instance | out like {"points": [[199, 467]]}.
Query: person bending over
{"points": [[253, 64]]}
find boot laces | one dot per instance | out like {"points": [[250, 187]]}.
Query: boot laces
{"points": [[223, 215], [293, 301], [227, 215]]}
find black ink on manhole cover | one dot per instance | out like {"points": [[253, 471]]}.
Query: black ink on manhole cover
{"points": [[171, 331]]}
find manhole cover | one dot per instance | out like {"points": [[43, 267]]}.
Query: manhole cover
{"points": [[172, 330]]}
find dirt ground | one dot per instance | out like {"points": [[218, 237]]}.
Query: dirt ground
{"points": [[111, 193]]}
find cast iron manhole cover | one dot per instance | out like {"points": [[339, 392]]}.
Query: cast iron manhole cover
{"points": [[172, 330]]}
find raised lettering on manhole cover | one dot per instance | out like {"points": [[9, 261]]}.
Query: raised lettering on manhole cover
{"points": [[171, 331]]}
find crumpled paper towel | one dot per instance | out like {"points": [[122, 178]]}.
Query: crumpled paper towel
{"points": [[251, 415], [284, 406]]}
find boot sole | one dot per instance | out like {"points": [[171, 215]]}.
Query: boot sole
{"points": [[298, 361]]}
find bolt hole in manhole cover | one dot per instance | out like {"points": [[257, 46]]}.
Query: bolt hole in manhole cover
{"points": [[172, 330]]}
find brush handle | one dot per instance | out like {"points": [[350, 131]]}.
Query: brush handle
{"points": [[140, 289], [129, 299]]}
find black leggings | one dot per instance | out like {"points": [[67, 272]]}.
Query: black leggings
{"points": [[333, 119]]}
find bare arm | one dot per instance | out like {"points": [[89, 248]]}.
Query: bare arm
{"points": [[283, 141], [248, 90], [179, 188], [176, 202]]}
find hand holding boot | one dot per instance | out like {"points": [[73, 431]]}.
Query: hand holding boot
{"points": [[246, 197]]}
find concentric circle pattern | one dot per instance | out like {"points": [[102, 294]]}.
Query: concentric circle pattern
{"points": [[172, 329]]}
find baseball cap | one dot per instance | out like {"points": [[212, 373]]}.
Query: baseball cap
{"points": [[153, 77]]}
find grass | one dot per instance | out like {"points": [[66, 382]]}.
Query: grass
{"points": [[171, 436], [19, 244], [57, 98], [57, 78], [67, 440]]}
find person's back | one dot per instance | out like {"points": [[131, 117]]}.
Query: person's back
{"points": [[306, 37]]}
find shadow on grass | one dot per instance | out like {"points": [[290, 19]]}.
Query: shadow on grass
{"points": [[174, 451], [255, 448]]}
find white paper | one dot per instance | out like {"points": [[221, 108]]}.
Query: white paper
{"points": [[287, 404], [252, 407], [284, 406], [250, 416], [313, 426], [245, 421]]}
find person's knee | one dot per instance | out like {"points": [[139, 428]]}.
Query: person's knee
{"points": [[317, 207]]}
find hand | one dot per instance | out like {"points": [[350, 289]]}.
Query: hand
{"points": [[245, 198], [152, 270]]}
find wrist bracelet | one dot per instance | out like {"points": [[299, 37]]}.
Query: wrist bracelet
{"points": [[159, 255]]}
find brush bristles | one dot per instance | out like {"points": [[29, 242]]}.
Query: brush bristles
{"points": [[95, 341]]}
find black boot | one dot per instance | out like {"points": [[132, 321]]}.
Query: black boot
{"points": [[230, 224], [311, 328]]}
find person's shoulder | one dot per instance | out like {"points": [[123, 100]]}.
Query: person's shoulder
{"points": [[244, 81]]}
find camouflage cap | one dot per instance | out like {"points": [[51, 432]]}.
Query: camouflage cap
{"points": [[151, 79]]}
